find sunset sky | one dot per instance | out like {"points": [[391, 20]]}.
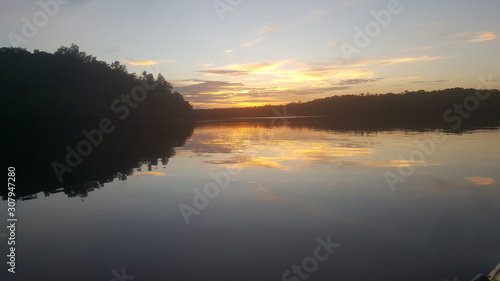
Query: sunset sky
{"points": [[228, 53]]}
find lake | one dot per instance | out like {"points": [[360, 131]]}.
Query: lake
{"points": [[276, 199]]}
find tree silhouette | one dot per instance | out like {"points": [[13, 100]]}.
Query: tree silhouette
{"points": [[71, 86]]}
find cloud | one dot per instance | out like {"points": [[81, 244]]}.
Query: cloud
{"points": [[428, 82], [246, 69], [208, 86], [262, 34], [332, 72], [407, 60], [231, 72], [394, 61], [229, 52], [253, 43], [356, 81], [213, 93], [416, 49], [314, 91], [147, 62], [290, 69], [471, 37], [266, 30], [329, 89], [272, 81], [481, 36], [210, 94], [281, 78], [206, 64], [263, 67]]}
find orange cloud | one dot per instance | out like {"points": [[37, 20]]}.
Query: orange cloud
{"points": [[472, 37], [396, 61], [268, 82], [288, 71], [147, 62], [261, 68], [482, 36]]}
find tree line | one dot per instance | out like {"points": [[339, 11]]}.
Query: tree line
{"points": [[452, 107], [69, 85]]}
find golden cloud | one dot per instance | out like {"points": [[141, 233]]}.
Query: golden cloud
{"points": [[396, 60], [289, 71], [482, 36], [260, 68], [264, 82], [147, 62]]}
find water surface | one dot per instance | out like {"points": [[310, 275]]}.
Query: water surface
{"points": [[272, 191]]}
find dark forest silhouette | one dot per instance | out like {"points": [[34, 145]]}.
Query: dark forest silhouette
{"points": [[72, 86], [405, 110]]}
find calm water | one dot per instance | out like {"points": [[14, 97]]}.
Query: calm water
{"points": [[260, 199]]}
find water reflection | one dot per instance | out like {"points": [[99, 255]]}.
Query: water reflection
{"points": [[141, 146], [293, 146], [296, 182]]}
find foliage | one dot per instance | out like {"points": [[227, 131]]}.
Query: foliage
{"points": [[70, 85], [419, 108]]}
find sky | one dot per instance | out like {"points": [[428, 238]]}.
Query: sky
{"points": [[232, 53]]}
